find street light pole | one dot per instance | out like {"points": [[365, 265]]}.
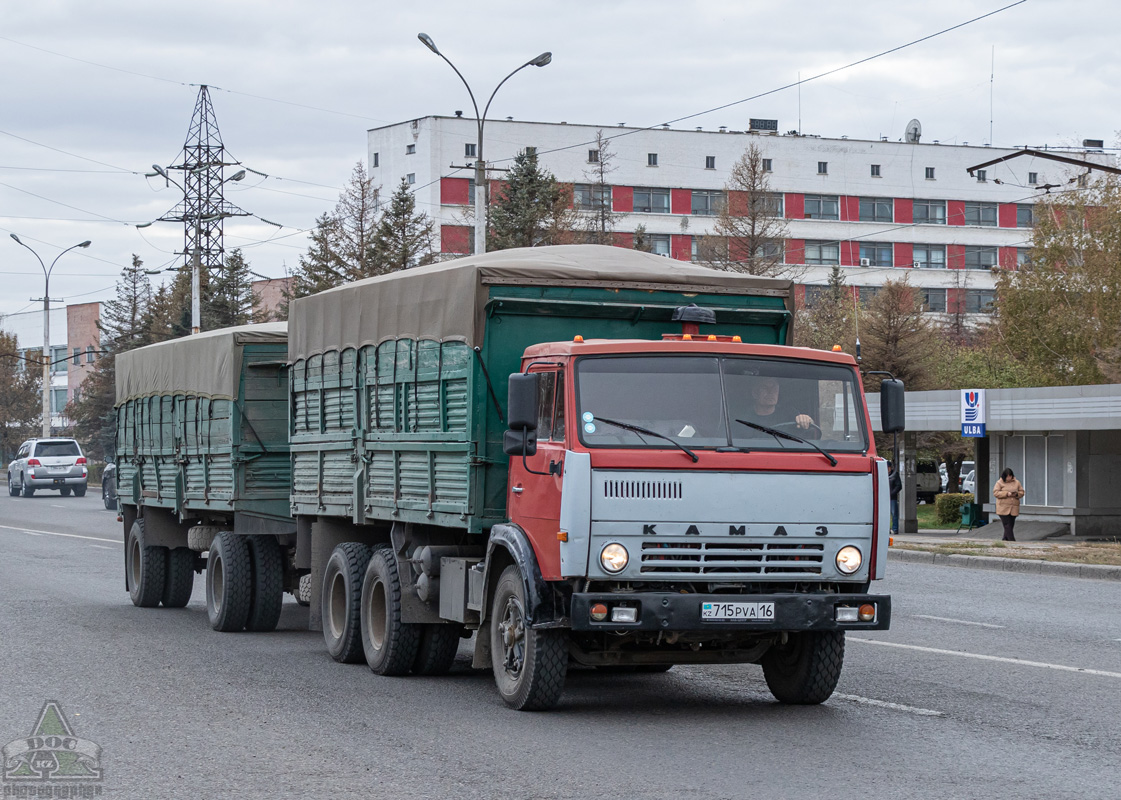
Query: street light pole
{"points": [[47, 328], [480, 120]]}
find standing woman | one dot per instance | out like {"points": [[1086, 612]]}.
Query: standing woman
{"points": [[1008, 492]]}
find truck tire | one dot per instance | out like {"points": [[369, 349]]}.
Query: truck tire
{"points": [[805, 670], [180, 577], [390, 645], [341, 600], [303, 591], [268, 583], [529, 665], [435, 654], [229, 582], [147, 568]]}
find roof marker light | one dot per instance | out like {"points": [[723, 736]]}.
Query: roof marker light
{"points": [[687, 337], [577, 338], [836, 348], [711, 337], [737, 340]]}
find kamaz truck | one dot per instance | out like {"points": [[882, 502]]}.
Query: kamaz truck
{"points": [[573, 455]]}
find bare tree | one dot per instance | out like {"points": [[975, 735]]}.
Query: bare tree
{"points": [[593, 198], [750, 228]]}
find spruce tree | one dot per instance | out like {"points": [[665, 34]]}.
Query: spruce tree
{"points": [[230, 298], [403, 237], [530, 209]]}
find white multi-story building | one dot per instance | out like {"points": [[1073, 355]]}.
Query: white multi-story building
{"points": [[878, 209]]}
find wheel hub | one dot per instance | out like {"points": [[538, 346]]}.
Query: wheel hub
{"points": [[512, 631]]}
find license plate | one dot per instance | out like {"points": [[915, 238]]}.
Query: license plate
{"points": [[59, 469], [738, 611]]}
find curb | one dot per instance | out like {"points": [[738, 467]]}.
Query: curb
{"points": [[1062, 569]]}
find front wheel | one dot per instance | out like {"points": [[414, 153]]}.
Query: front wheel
{"points": [[529, 665], [805, 670], [110, 502]]}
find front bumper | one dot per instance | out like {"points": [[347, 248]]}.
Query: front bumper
{"points": [[664, 611]]}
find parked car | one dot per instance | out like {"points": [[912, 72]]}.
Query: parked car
{"points": [[967, 483], [966, 468], [109, 486], [926, 481], [56, 464]]}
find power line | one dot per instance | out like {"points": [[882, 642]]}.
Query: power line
{"points": [[65, 152]]}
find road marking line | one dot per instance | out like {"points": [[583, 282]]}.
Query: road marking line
{"points": [[1002, 659], [958, 621], [56, 533], [868, 701], [102, 547], [55, 505]]}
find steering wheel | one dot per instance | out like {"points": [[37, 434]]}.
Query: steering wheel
{"points": [[813, 425]]}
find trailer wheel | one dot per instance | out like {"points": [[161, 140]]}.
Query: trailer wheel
{"points": [[390, 645], [303, 590], [529, 665], [805, 670], [268, 583], [341, 600], [229, 582], [439, 642], [180, 577], [146, 568]]}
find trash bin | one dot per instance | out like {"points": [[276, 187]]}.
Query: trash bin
{"points": [[971, 516]]}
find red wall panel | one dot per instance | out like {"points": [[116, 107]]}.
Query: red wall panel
{"points": [[1006, 215], [623, 240], [795, 206], [850, 254], [1006, 257], [681, 201], [622, 198], [904, 251], [795, 250], [681, 247], [456, 238], [454, 191], [850, 209], [904, 210], [799, 296], [955, 256], [955, 212]]}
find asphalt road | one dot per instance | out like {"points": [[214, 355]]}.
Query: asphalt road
{"points": [[989, 685]]}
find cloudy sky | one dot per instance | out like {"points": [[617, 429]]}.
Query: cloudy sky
{"points": [[94, 93]]}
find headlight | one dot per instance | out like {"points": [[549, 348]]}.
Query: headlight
{"points": [[614, 557], [848, 559]]}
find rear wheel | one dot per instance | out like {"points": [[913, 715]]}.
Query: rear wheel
{"points": [[390, 645], [341, 599], [229, 582], [180, 577], [13, 490], [805, 670], [268, 583], [303, 591], [146, 568], [80, 491], [439, 642], [64, 491], [27, 490], [529, 665]]}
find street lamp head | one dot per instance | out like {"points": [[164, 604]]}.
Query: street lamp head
{"points": [[160, 171], [542, 60], [237, 176], [86, 243], [427, 41], [144, 225], [16, 238]]}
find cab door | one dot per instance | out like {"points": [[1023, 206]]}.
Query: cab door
{"points": [[535, 493]]}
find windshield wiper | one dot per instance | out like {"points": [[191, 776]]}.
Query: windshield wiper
{"points": [[629, 427], [790, 436]]}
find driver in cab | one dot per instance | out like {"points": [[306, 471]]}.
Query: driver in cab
{"points": [[767, 409]]}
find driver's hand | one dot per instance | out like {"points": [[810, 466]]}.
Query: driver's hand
{"points": [[804, 421]]}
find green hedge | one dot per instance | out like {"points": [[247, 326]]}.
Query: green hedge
{"points": [[948, 507], [93, 472]]}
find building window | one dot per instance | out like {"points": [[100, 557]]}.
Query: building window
{"points": [[469, 150], [58, 359], [1033, 178], [1023, 257], [977, 257], [531, 151], [875, 254], [651, 201], [981, 176], [410, 178], [768, 203], [374, 160], [651, 159], [866, 293], [89, 354], [659, 243], [822, 167], [410, 149], [710, 162], [815, 294], [929, 256], [471, 191], [930, 173], [822, 206], [1025, 215], [876, 209], [707, 203], [77, 356], [933, 300], [979, 301], [930, 212], [593, 156], [980, 214], [1041, 460], [770, 250], [591, 196], [875, 170], [823, 253], [58, 400], [767, 165]]}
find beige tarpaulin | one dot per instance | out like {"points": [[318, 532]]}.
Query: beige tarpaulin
{"points": [[446, 302], [205, 365]]}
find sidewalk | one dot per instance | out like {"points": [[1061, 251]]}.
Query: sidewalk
{"points": [[930, 547]]}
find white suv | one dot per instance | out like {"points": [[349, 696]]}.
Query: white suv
{"points": [[48, 464]]}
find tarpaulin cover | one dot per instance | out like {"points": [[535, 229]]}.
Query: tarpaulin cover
{"points": [[205, 365], [446, 301]]}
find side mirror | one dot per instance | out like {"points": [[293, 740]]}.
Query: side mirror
{"points": [[519, 443], [892, 412], [521, 402]]}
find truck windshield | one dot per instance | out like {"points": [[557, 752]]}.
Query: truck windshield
{"points": [[703, 402]]}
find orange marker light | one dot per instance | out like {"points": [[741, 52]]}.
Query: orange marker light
{"points": [[737, 340], [599, 612], [836, 348], [711, 337], [687, 337], [562, 536], [867, 612], [577, 338]]}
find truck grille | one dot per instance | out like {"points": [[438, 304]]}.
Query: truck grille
{"points": [[731, 558], [643, 490]]}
